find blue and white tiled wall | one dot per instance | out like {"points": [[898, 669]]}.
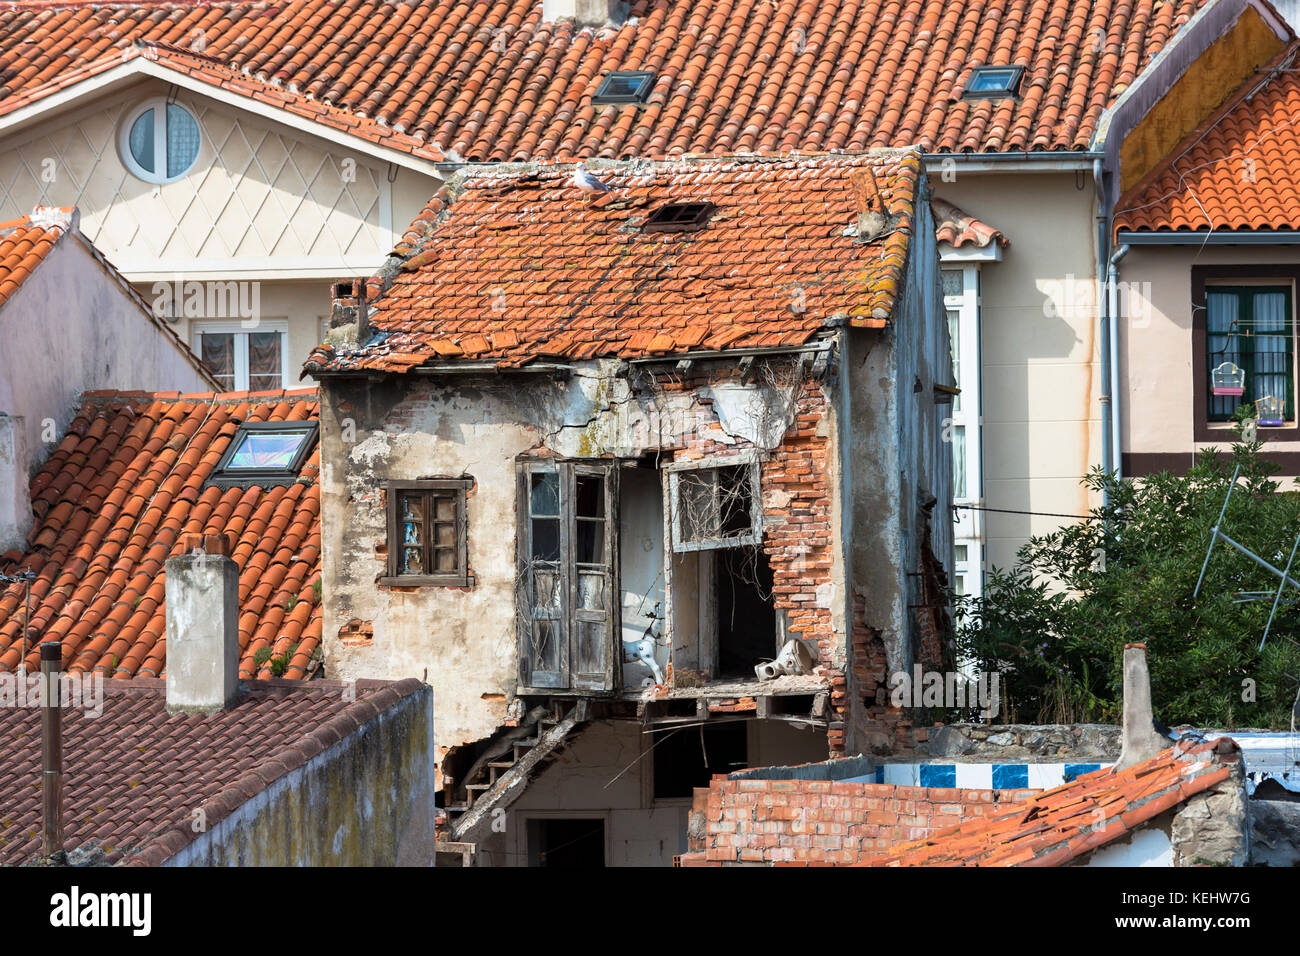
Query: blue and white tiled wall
{"points": [[983, 776]]}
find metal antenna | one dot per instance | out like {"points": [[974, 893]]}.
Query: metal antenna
{"points": [[1284, 576]]}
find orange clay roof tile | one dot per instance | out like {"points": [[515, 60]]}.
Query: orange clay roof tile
{"points": [[781, 256], [960, 229], [1240, 170], [1055, 826], [24, 244], [491, 81], [121, 493]]}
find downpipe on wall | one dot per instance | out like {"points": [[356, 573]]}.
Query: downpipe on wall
{"points": [[1104, 310]]}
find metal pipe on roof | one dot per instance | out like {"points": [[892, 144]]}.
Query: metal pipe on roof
{"points": [[51, 750]]}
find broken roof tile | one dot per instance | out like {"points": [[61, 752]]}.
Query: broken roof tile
{"points": [[1055, 826], [781, 259]]}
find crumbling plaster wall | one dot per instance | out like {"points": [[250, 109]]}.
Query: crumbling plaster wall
{"points": [[477, 426], [899, 461]]}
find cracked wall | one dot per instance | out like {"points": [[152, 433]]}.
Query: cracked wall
{"points": [[463, 638]]}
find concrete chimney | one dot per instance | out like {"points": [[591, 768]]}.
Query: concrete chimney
{"points": [[15, 484], [587, 13], [202, 626], [1141, 741], [349, 314]]}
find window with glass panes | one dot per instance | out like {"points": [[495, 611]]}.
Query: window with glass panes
{"points": [[427, 534], [239, 358], [566, 579], [1251, 327]]}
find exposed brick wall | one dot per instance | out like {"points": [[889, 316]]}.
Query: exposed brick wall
{"points": [[820, 821], [797, 536]]}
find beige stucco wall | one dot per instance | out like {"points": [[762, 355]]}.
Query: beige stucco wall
{"points": [[73, 326], [263, 198], [301, 304], [1040, 353], [1156, 343], [474, 427]]}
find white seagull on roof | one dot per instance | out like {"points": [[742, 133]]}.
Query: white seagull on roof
{"points": [[587, 182]]}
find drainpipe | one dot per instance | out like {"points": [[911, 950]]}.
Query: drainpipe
{"points": [[51, 752], [1104, 310], [1112, 308]]}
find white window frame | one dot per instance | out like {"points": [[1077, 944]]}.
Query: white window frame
{"points": [[159, 176], [968, 529], [746, 459], [199, 326]]}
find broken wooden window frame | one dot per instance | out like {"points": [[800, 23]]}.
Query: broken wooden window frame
{"points": [[679, 541], [427, 491], [580, 657]]}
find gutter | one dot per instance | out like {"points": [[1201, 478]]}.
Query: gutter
{"points": [[1040, 162], [1280, 238]]}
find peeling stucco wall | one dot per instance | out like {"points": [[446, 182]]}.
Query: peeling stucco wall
{"points": [[899, 460], [366, 801], [477, 427]]}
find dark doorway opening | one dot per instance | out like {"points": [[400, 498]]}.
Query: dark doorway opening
{"points": [[746, 614], [566, 843], [687, 757]]}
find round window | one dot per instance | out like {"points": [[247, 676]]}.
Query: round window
{"points": [[160, 141]]}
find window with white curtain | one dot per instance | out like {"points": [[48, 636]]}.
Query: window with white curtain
{"points": [[1252, 328]]}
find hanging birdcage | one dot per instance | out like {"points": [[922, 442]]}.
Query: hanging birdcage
{"points": [[1228, 379], [1269, 410]]}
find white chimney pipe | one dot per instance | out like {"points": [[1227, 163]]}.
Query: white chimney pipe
{"points": [[202, 626], [589, 13], [1141, 741], [15, 486]]}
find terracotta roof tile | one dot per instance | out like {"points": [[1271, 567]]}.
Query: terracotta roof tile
{"points": [[960, 229], [1055, 826], [120, 494], [25, 242], [135, 776], [1239, 170], [491, 81], [520, 266]]}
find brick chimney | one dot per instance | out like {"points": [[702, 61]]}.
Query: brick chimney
{"points": [[1141, 741], [15, 487], [202, 626], [349, 318], [587, 13]]}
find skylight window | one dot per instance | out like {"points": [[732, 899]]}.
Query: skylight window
{"points": [[993, 82], [624, 87], [266, 453], [679, 217]]}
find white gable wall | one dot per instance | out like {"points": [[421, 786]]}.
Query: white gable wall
{"points": [[71, 327]]}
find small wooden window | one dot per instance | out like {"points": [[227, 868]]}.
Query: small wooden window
{"points": [[427, 534], [716, 503]]}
